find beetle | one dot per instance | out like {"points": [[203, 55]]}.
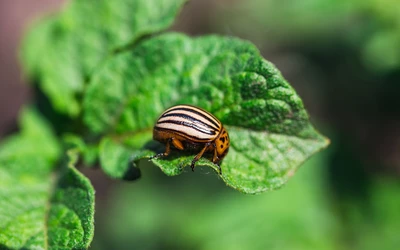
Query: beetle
{"points": [[191, 128]]}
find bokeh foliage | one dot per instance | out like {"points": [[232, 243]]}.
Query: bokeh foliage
{"points": [[370, 28]]}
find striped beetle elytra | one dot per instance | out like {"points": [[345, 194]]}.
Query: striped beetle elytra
{"points": [[191, 128]]}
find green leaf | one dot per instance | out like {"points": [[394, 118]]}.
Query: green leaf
{"points": [[35, 138], [34, 43], [50, 57], [88, 151], [61, 52], [118, 161], [382, 51], [39, 210], [269, 128]]}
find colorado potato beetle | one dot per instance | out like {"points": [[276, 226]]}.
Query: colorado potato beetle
{"points": [[191, 128]]}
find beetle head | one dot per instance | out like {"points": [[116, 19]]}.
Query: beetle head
{"points": [[222, 144]]}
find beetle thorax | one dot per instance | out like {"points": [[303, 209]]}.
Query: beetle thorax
{"points": [[222, 143]]}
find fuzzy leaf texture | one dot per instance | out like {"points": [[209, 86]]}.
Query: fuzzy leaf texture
{"points": [[60, 52], [269, 128], [41, 208]]}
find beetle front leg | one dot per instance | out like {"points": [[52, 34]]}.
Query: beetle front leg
{"points": [[216, 160], [198, 156], [166, 153]]}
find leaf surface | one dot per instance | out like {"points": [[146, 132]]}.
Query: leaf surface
{"points": [[41, 208], [40, 211], [268, 125], [61, 52], [36, 137]]}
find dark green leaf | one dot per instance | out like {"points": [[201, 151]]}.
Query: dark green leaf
{"points": [[38, 210], [61, 52], [269, 128]]}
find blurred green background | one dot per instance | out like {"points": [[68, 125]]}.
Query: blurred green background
{"points": [[343, 58]]}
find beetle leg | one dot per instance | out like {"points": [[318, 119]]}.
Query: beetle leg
{"points": [[197, 157], [216, 159], [166, 153]]}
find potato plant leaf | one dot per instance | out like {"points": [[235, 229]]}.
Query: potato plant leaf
{"points": [[60, 52], [119, 161], [40, 207], [40, 210], [269, 128], [87, 152], [35, 138]]}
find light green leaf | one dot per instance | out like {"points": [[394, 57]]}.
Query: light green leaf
{"points": [[51, 59], [34, 43], [88, 151], [269, 128], [61, 52], [35, 138], [40, 210], [382, 51], [118, 161]]}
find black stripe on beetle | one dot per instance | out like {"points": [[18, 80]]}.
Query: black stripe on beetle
{"points": [[197, 112], [188, 124], [187, 117], [198, 139]]}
